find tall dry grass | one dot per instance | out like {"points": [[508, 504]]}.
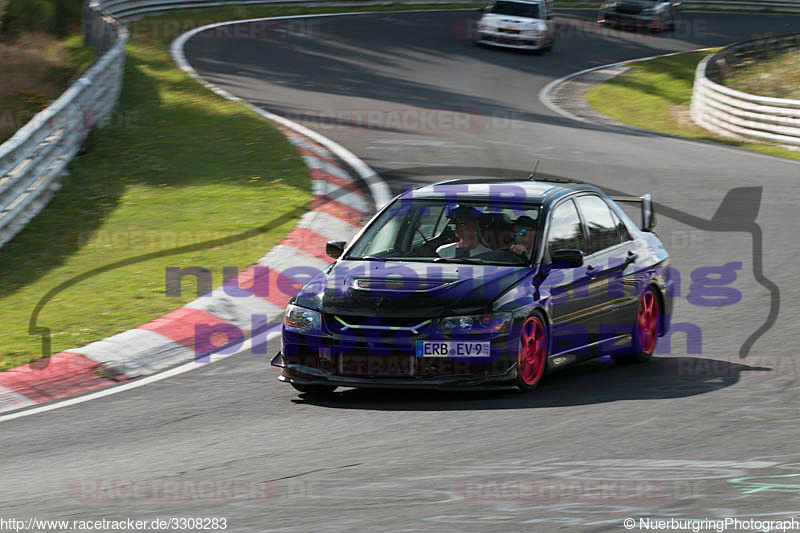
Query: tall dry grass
{"points": [[36, 69], [778, 77]]}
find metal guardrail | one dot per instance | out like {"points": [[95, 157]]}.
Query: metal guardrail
{"points": [[133, 8], [733, 113], [34, 159], [127, 9], [744, 5]]}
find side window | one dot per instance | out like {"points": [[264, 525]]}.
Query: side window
{"points": [[622, 230], [566, 231], [601, 223]]}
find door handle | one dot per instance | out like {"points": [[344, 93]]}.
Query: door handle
{"points": [[591, 271]]}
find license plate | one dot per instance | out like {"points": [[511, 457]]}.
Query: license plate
{"points": [[452, 349]]}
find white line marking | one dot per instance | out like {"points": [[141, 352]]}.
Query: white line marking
{"points": [[544, 94], [182, 369], [544, 97]]}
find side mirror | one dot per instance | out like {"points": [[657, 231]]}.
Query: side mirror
{"points": [[567, 258], [335, 249], [648, 214]]}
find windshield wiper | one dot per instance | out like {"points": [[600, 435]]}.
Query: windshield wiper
{"points": [[471, 260], [387, 258]]}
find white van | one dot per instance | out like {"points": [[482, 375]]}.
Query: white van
{"points": [[524, 24]]}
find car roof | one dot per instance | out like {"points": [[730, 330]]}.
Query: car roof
{"points": [[544, 189]]}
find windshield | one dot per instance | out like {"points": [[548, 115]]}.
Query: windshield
{"points": [[474, 232], [515, 9]]}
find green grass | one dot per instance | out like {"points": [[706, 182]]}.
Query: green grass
{"points": [[176, 165], [655, 95], [175, 161]]}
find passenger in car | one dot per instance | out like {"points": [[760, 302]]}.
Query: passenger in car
{"points": [[496, 232], [524, 236]]}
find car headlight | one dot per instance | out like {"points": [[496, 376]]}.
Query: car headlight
{"points": [[536, 28], [302, 319], [475, 324]]}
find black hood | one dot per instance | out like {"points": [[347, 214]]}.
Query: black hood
{"points": [[408, 289]]}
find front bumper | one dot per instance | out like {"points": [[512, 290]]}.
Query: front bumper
{"points": [[647, 20], [350, 354], [300, 374], [507, 40]]}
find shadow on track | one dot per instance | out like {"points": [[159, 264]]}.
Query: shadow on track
{"points": [[590, 383], [372, 57]]}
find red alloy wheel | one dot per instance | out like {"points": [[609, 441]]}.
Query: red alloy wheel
{"points": [[532, 352], [647, 322]]}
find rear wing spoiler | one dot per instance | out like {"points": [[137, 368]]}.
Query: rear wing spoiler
{"points": [[646, 203]]}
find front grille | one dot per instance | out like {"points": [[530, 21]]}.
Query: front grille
{"points": [[508, 31], [352, 325]]}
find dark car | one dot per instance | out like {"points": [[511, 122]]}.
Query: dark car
{"points": [[657, 15], [480, 284]]}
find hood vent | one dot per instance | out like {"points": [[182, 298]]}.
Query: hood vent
{"points": [[397, 284]]}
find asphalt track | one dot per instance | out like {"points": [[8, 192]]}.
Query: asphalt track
{"points": [[690, 435]]}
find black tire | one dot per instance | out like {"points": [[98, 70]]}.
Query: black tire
{"points": [[315, 390], [530, 375], [645, 330]]}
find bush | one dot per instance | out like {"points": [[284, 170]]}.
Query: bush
{"points": [[57, 17]]}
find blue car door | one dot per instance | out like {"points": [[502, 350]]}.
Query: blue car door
{"points": [[568, 288]]}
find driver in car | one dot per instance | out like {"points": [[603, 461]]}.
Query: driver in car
{"points": [[467, 228]]}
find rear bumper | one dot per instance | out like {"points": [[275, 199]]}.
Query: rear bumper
{"points": [[307, 375]]}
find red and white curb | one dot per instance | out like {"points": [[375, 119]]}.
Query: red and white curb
{"points": [[257, 295]]}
